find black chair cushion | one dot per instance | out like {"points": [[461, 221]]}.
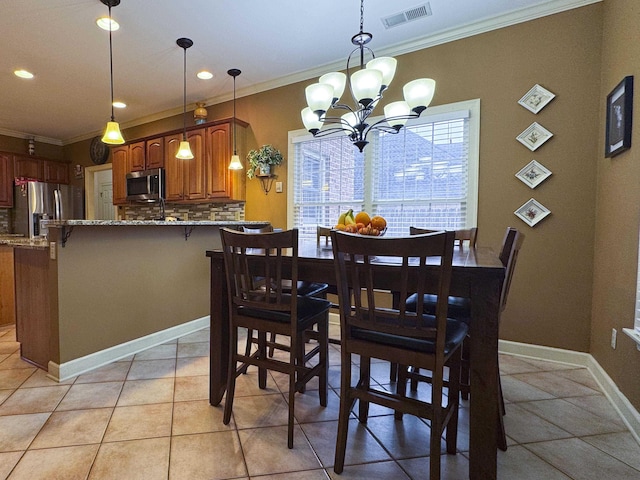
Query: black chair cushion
{"points": [[307, 307], [312, 289], [456, 332], [459, 307]]}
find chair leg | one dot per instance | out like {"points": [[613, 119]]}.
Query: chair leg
{"points": [[272, 339], [454, 401], [323, 339], [465, 371], [364, 382], [231, 377], [262, 351], [502, 436], [401, 387], [292, 394], [343, 418], [393, 372], [247, 349], [414, 380], [299, 353]]}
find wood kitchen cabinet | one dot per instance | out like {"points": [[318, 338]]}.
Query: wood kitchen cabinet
{"points": [[222, 183], [7, 287], [56, 172], [185, 179], [136, 157], [6, 180], [28, 167], [204, 178], [154, 153], [120, 168]]}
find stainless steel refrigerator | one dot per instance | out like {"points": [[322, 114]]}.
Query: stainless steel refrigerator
{"points": [[36, 201]]}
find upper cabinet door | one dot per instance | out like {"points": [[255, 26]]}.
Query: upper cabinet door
{"points": [[56, 172], [28, 167], [174, 181], [120, 166], [195, 169], [136, 157], [155, 153], [219, 151], [6, 180]]}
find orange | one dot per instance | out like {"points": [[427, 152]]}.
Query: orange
{"points": [[378, 222], [364, 218]]}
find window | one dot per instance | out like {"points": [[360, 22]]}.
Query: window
{"points": [[426, 175]]}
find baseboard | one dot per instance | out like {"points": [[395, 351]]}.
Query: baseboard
{"points": [[92, 361], [625, 409]]}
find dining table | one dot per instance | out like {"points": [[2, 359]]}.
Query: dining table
{"points": [[477, 274]]}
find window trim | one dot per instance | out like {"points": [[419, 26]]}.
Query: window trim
{"points": [[432, 113]]}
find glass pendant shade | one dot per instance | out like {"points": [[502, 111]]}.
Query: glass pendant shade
{"points": [[319, 97], [386, 65], [112, 135], [235, 163], [184, 151], [419, 93], [366, 85], [397, 113], [337, 80], [310, 120], [349, 122]]}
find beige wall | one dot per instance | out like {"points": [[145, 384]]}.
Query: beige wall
{"points": [[617, 210]]}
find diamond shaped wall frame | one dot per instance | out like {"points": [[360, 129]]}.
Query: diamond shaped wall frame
{"points": [[532, 212], [536, 98], [533, 174], [534, 136]]}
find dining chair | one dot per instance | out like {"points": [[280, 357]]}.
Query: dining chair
{"points": [[323, 232], [397, 335], [271, 308], [463, 236], [460, 309], [311, 289]]}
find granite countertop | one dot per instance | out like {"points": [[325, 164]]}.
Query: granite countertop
{"points": [[194, 223], [17, 240]]}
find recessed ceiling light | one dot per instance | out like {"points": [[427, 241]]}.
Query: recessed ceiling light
{"points": [[119, 104], [107, 23], [23, 74], [204, 75]]}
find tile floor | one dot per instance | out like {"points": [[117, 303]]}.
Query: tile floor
{"points": [[148, 417]]}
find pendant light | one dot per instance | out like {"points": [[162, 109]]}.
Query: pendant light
{"points": [[184, 151], [235, 163], [366, 86], [112, 135]]}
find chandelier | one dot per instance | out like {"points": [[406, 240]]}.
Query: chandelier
{"points": [[366, 86]]}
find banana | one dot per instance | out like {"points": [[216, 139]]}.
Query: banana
{"points": [[342, 218], [349, 219]]}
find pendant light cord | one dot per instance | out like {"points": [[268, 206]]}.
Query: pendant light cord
{"points": [[234, 116], [184, 96], [111, 62]]}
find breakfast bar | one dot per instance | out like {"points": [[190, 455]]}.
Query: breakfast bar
{"points": [[95, 291]]}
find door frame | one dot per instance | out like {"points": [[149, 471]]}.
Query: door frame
{"points": [[89, 190]]}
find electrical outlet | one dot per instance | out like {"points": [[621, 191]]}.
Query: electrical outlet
{"points": [[185, 217], [278, 187], [614, 338], [52, 250], [212, 216]]}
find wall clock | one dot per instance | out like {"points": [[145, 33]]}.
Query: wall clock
{"points": [[98, 151]]}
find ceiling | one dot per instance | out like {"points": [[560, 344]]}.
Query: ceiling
{"points": [[274, 43]]}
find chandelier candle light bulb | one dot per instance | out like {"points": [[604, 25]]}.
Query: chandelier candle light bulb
{"points": [[366, 86]]}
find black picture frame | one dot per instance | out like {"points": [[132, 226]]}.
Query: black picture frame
{"points": [[619, 118]]}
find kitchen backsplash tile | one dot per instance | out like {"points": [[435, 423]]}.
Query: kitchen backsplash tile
{"points": [[4, 220], [205, 211]]}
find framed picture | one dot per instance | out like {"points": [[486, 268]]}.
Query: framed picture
{"points": [[532, 212], [533, 174], [536, 98], [619, 114], [534, 136]]}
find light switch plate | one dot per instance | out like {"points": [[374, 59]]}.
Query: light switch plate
{"points": [[52, 250], [278, 187]]}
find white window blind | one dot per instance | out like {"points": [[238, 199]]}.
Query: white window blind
{"points": [[425, 176]]}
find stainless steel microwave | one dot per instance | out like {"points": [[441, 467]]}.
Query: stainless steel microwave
{"points": [[146, 185]]}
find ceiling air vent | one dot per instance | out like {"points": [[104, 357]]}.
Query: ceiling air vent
{"points": [[407, 16]]}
